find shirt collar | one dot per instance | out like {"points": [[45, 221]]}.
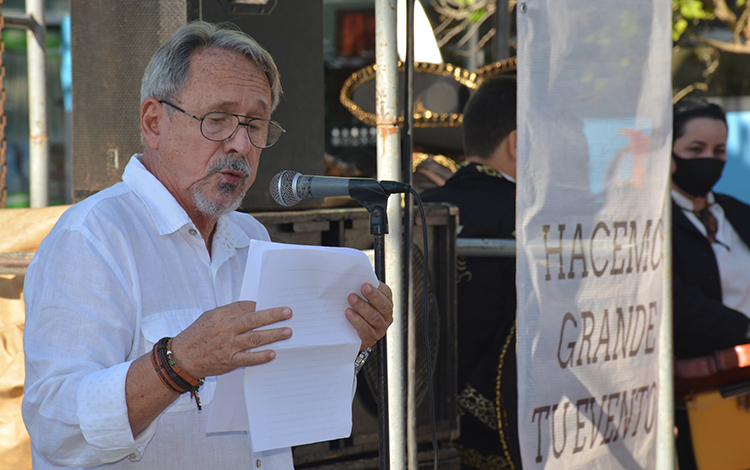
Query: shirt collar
{"points": [[229, 234], [167, 214], [486, 169], [685, 203]]}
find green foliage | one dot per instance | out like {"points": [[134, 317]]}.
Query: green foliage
{"points": [[15, 39], [692, 9], [477, 16], [689, 10]]}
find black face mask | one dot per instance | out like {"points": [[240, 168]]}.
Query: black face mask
{"points": [[696, 176]]}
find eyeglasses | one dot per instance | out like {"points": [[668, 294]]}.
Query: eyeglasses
{"points": [[219, 127]]}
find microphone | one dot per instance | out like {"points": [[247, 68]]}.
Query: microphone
{"points": [[288, 187]]}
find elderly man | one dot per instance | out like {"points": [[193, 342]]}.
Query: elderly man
{"points": [[132, 298]]}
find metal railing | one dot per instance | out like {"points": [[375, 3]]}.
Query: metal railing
{"points": [[486, 247]]}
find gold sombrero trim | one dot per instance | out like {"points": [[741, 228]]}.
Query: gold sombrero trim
{"points": [[419, 157], [496, 68], [423, 118]]}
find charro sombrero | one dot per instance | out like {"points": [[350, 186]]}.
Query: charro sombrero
{"points": [[440, 93]]}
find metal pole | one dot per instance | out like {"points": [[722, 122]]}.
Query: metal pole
{"points": [[502, 30], [486, 247], [38, 136], [407, 149], [473, 62], [665, 448], [386, 89]]}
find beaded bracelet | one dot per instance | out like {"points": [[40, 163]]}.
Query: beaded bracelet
{"points": [[172, 375], [178, 370], [160, 371]]}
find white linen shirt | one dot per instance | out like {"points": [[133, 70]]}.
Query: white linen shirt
{"points": [[119, 271]]}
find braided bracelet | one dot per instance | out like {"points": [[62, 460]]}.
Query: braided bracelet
{"points": [[160, 371], [172, 375], [178, 370]]}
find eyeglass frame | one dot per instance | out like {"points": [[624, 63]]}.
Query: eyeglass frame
{"points": [[239, 123]]}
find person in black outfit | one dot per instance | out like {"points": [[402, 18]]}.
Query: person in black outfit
{"points": [[484, 189], [711, 258]]}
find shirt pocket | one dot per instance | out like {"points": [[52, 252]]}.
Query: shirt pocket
{"points": [[156, 327]]}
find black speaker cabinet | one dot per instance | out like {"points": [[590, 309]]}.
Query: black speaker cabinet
{"points": [[351, 227], [112, 43]]}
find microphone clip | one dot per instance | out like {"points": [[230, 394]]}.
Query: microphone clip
{"points": [[373, 195], [374, 198]]}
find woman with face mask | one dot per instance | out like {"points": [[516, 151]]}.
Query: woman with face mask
{"points": [[711, 258], [698, 149]]}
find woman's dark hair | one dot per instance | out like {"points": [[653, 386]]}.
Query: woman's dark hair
{"points": [[688, 109]]}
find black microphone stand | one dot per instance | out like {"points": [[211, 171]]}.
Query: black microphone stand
{"points": [[375, 199]]}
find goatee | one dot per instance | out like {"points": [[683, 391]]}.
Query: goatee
{"points": [[217, 208]]}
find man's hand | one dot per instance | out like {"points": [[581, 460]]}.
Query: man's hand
{"points": [[223, 339], [216, 343], [371, 318]]}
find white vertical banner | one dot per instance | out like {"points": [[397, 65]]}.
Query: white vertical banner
{"points": [[594, 140]]}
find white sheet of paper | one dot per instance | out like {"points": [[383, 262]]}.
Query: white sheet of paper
{"points": [[289, 405], [304, 394]]}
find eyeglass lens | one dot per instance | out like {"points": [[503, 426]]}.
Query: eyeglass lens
{"points": [[221, 126]]}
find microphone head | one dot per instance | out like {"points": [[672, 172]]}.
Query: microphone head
{"points": [[282, 188]]}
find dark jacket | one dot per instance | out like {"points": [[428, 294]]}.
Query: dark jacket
{"points": [[702, 324], [486, 317]]}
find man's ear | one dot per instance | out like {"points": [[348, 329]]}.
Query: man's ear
{"points": [[151, 113], [513, 145]]}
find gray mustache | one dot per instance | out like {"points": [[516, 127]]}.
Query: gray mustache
{"points": [[233, 164]]}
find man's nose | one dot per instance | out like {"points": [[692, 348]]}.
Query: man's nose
{"points": [[239, 141]]}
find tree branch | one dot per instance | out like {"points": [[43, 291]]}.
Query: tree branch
{"points": [[687, 90], [724, 13], [734, 47], [742, 24]]}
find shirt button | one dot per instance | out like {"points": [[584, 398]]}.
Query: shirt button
{"points": [[193, 232], [258, 463], [133, 456]]}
